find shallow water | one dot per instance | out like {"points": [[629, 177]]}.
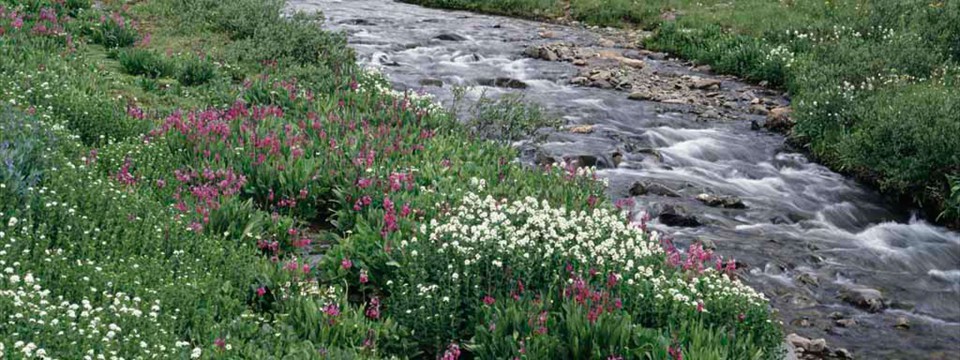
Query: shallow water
{"points": [[801, 218]]}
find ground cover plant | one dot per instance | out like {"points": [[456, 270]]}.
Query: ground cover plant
{"points": [[178, 181], [873, 83]]}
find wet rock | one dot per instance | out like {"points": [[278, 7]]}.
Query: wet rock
{"points": [[815, 346], [808, 279], [636, 64], [836, 315], [705, 83], [450, 37], [588, 161], [641, 188], [652, 152], [865, 298], [801, 301], [361, 22], [548, 54], [758, 109], [754, 125], [503, 82], [842, 353], [606, 43], [675, 216], [727, 202], [580, 62], [580, 80], [431, 82], [635, 54], [582, 129], [847, 323], [617, 158], [532, 51], [902, 323], [543, 159], [602, 84], [546, 34], [779, 120], [710, 114], [801, 322], [643, 95]]}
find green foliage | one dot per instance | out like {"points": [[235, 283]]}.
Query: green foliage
{"points": [[507, 118], [196, 70], [145, 62], [189, 221]]}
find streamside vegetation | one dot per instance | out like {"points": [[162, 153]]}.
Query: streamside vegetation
{"points": [[875, 85], [211, 179]]}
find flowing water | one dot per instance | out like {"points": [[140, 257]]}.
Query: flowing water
{"points": [[807, 232]]}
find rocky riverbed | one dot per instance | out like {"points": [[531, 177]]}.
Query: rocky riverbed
{"points": [[851, 274]]}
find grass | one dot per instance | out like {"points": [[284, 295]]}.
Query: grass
{"points": [[873, 83], [228, 186]]}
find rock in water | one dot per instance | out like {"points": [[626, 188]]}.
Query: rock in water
{"points": [[672, 216], [450, 37], [703, 84], [779, 120], [727, 202], [641, 188], [503, 82], [865, 298]]}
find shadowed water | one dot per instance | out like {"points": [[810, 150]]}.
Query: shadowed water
{"points": [[802, 220]]}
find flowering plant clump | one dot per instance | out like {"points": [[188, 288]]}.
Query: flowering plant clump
{"points": [[278, 201]]}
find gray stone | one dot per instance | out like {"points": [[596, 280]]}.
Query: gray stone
{"points": [[706, 83], [865, 298], [902, 323], [847, 323], [431, 82], [779, 120], [727, 202], [675, 216], [450, 37], [641, 188]]}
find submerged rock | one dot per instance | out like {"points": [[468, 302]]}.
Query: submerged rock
{"points": [[503, 82], [727, 202], [450, 37], [865, 298], [431, 82], [641, 188]]}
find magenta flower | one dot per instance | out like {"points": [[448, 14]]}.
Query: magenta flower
{"points": [[346, 264], [332, 310], [452, 353], [489, 300], [373, 309], [220, 343], [363, 276], [261, 291]]}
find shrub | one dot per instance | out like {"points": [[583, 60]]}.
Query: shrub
{"points": [[144, 62], [196, 70], [114, 32]]}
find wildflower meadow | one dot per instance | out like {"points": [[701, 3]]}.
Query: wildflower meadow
{"points": [[200, 179]]}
